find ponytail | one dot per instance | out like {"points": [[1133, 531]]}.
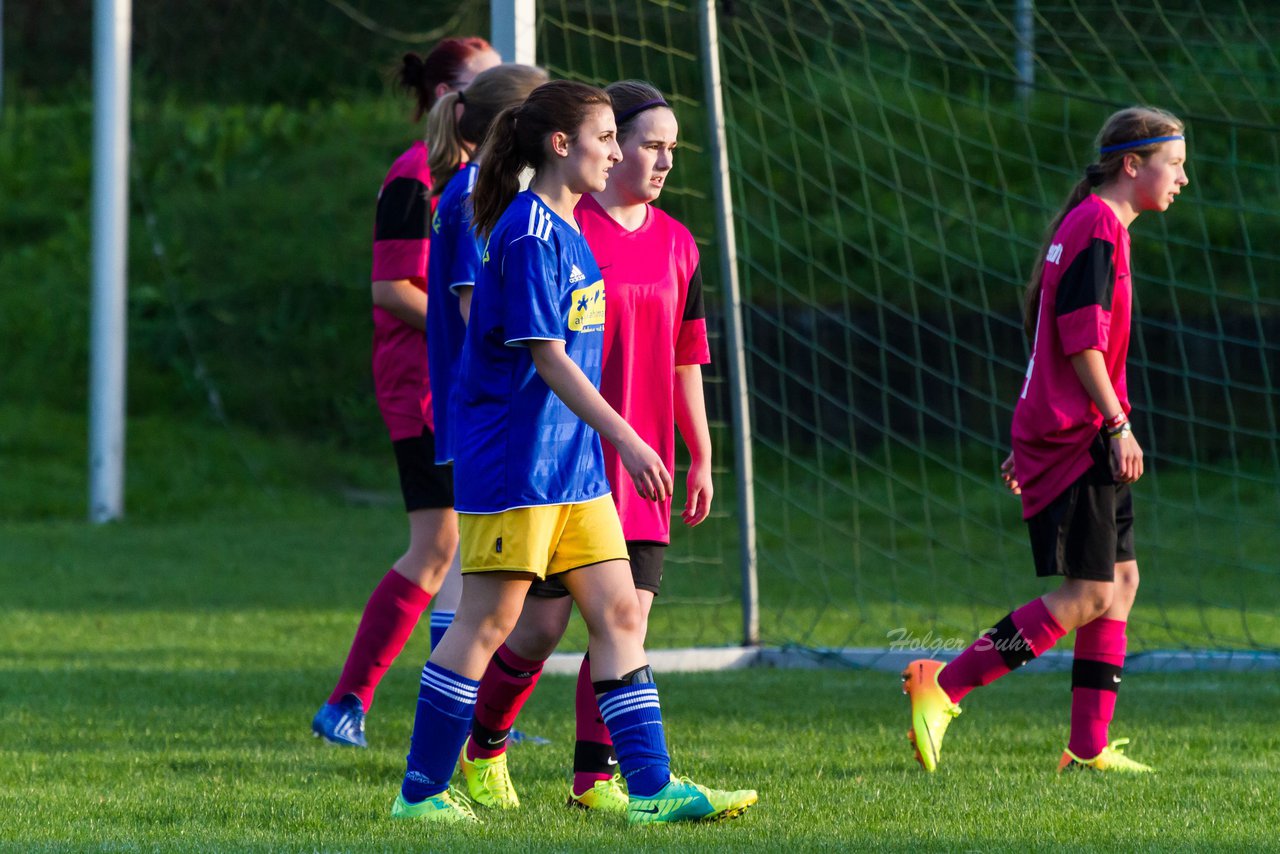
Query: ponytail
{"points": [[1031, 299], [1136, 131], [445, 145], [499, 178], [518, 138], [420, 75]]}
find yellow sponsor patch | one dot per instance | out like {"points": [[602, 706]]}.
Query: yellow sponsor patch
{"points": [[587, 312]]}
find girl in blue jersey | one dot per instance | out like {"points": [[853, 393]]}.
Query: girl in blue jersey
{"points": [[460, 121], [530, 484]]}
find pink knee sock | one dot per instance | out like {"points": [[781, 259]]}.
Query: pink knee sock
{"points": [[504, 688], [593, 757], [389, 618], [1095, 679], [1024, 634]]}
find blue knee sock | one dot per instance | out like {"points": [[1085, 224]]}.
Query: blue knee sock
{"points": [[446, 704], [634, 719], [440, 622]]}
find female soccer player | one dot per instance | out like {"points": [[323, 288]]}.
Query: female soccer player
{"points": [[400, 249], [459, 123], [654, 345], [532, 496], [1074, 453]]}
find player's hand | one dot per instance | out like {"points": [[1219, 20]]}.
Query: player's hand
{"points": [[1126, 458], [648, 473], [1009, 476], [697, 504]]}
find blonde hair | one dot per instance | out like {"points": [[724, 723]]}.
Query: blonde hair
{"points": [[449, 134]]}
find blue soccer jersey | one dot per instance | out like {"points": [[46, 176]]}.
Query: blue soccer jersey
{"points": [[454, 263], [515, 443]]}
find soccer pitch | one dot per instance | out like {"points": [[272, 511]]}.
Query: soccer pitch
{"points": [[157, 680]]}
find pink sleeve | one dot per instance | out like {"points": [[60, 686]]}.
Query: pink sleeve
{"points": [[400, 259], [1086, 328], [691, 343]]}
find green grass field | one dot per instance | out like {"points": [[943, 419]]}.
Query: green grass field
{"points": [[157, 678]]}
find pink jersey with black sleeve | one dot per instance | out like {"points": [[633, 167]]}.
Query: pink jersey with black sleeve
{"points": [[654, 321], [401, 241], [1086, 298]]}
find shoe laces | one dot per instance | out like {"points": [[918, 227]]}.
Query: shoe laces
{"points": [[459, 801], [495, 776], [611, 787]]}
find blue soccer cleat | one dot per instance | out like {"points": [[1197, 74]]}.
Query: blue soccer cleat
{"points": [[341, 723]]}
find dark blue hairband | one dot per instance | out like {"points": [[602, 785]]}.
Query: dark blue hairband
{"points": [[637, 110], [1137, 143]]}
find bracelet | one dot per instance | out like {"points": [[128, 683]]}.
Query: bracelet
{"points": [[1117, 422], [1120, 432]]}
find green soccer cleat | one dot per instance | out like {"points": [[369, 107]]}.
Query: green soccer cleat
{"points": [[1110, 759], [489, 782], [684, 800], [931, 710], [448, 807], [603, 796]]}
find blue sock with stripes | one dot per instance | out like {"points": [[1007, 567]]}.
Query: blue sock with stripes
{"points": [[446, 704], [634, 719], [440, 622]]}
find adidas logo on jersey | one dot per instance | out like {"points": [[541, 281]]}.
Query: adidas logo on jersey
{"points": [[1054, 254], [576, 275]]}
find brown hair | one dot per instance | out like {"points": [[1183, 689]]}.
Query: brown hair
{"points": [[1131, 124], [632, 98], [490, 93], [420, 75], [517, 138]]}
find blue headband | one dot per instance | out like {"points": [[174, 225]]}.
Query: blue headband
{"points": [[637, 110], [1137, 143]]}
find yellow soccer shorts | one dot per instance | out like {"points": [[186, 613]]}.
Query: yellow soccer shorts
{"points": [[545, 540]]}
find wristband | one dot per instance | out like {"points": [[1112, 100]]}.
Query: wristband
{"points": [[1120, 432], [1116, 423]]}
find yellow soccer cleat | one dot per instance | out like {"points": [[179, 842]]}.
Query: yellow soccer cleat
{"points": [[448, 807], [603, 796], [931, 710], [1110, 759], [489, 782], [684, 800]]}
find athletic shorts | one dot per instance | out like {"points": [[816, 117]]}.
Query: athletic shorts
{"points": [[545, 540], [646, 571], [1087, 529], [424, 485]]}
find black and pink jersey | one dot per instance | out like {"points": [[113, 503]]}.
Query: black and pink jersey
{"points": [[655, 322], [401, 244], [1086, 298]]}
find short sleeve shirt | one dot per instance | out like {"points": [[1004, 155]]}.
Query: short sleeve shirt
{"points": [[516, 444], [1086, 300], [401, 244], [454, 263], [656, 322]]}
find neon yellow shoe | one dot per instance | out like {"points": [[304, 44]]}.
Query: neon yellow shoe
{"points": [[603, 796], [1111, 758], [931, 710], [684, 800], [449, 807], [489, 782]]}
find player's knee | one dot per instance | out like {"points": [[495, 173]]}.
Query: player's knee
{"points": [[623, 616], [493, 628], [1092, 599]]}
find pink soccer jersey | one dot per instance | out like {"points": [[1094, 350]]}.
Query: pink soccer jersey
{"points": [[654, 321], [1085, 301], [401, 241]]}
